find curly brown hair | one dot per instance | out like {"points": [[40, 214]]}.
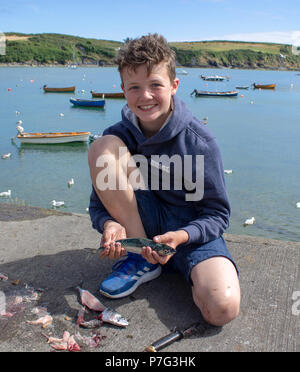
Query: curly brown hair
{"points": [[150, 50]]}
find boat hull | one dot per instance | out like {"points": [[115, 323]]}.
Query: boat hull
{"points": [[213, 78], [203, 93], [265, 86], [53, 138], [88, 103], [59, 90], [108, 95]]}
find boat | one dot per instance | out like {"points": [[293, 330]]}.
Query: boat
{"points": [[242, 87], [87, 102], [181, 72], [214, 78], [205, 93], [108, 95], [52, 138], [59, 90], [264, 86]]}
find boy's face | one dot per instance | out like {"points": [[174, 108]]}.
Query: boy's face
{"points": [[149, 97]]}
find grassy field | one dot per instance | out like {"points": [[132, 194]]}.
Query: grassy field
{"points": [[221, 46], [45, 49]]}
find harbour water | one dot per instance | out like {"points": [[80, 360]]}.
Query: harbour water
{"points": [[258, 133]]}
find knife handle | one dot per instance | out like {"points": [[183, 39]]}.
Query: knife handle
{"points": [[164, 341]]}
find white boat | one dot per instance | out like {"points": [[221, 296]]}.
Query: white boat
{"points": [[181, 72], [214, 78], [52, 138]]}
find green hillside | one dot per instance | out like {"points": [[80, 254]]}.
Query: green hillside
{"points": [[57, 49]]}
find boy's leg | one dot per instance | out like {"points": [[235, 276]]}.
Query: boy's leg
{"points": [[121, 204], [216, 290]]}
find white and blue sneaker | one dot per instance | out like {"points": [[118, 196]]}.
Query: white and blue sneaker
{"points": [[127, 275]]}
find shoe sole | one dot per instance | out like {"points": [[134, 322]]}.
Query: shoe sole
{"points": [[143, 279]]}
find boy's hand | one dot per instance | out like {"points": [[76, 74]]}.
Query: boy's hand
{"points": [[171, 238], [112, 231]]}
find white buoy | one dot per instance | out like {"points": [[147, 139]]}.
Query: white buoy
{"points": [[227, 171], [57, 203], [61, 114], [249, 221], [298, 204], [5, 193], [71, 182]]}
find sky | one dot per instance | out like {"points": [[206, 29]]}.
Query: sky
{"points": [[178, 20]]}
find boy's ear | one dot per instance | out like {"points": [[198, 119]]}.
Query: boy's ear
{"points": [[175, 85], [122, 87]]}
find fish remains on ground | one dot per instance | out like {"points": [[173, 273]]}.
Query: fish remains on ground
{"points": [[135, 245]]}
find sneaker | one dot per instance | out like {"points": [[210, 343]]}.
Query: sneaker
{"points": [[127, 275]]}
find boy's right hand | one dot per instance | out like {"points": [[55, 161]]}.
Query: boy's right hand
{"points": [[112, 231]]}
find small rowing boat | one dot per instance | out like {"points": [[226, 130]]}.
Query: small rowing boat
{"points": [[264, 86], [58, 90], [52, 138], [87, 102], [242, 87], [108, 95], [205, 93]]}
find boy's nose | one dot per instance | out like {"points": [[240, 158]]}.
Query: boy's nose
{"points": [[147, 93]]}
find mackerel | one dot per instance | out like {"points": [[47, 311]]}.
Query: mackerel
{"points": [[135, 245]]}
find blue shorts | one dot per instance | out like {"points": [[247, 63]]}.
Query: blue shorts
{"points": [[159, 217]]}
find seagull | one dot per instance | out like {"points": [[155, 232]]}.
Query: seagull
{"points": [[227, 171], [71, 182], [57, 204], [20, 129], [298, 204], [61, 114], [249, 221], [6, 193], [6, 156]]}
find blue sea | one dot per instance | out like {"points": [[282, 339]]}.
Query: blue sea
{"points": [[258, 133]]}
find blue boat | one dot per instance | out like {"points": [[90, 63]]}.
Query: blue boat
{"points": [[87, 102]]}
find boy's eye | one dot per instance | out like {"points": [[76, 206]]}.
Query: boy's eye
{"points": [[133, 87]]}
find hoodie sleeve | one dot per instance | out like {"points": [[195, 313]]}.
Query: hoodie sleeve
{"points": [[98, 213], [214, 208]]}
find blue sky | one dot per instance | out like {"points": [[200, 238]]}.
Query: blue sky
{"points": [[177, 20]]}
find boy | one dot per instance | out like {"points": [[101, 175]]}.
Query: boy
{"points": [[175, 196]]}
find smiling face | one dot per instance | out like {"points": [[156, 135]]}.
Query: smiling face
{"points": [[149, 96]]}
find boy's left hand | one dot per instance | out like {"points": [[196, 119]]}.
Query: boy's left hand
{"points": [[171, 238]]}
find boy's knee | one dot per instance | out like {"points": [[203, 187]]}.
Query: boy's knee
{"points": [[219, 310], [105, 145]]}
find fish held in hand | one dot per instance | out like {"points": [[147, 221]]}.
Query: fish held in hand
{"points": [[135, 245]]}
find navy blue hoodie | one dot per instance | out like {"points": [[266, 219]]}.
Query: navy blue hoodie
{"points": [[184, 135]]}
